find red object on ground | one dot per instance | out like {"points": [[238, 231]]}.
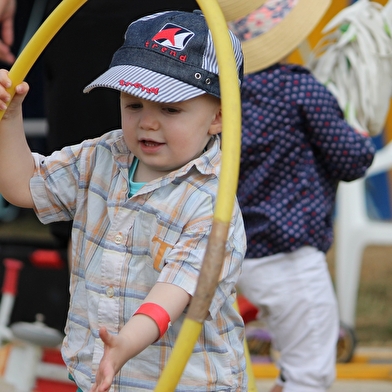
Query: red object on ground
{"points": [[53, 386], [53, 356], [10, 283], [46, 258], [247, 310]]}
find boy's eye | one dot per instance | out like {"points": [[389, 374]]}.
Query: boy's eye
{"points": [[134, 105], [171, 110]]}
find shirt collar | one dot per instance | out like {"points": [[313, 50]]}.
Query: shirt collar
{"points": [[208, 163]]}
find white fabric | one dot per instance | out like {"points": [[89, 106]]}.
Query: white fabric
{"points": [[294, 293], [354, 61]]}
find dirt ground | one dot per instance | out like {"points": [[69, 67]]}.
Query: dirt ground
{"points": [[374, 304]]}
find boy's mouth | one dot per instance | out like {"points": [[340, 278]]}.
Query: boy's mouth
{"points": [[150, 143], [150, 146]]}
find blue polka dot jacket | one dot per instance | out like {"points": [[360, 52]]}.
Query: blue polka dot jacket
{"points": [[296, 147]]}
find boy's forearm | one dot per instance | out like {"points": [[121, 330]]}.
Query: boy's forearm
{"points": [[16, 162], [141, 330]]}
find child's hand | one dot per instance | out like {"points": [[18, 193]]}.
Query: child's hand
{"points": [[108, 367], [21, 90]]}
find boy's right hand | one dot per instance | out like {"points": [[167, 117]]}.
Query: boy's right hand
{"points": [[108, 366], [7, 102]]}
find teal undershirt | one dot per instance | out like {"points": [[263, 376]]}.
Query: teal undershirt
{"points": [[134, 186], [72, 379]]}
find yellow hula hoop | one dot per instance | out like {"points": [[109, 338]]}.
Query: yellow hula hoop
{"points": [[231, 146], [231, 150]]}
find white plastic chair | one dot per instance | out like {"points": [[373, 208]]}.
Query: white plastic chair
{"points": [[354, 232]]}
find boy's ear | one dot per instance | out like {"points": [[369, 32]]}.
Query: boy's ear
{"points": [[216, 124]]}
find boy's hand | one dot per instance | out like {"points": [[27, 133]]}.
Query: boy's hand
{"points": [[14, 105], [108, 367]]}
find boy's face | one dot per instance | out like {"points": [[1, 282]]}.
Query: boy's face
{"points": [[166, 136]]}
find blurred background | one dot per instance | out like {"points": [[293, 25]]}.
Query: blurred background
{"points": [[43, 284], [373, 313]]}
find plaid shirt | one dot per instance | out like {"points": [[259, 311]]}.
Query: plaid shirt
{"points": [[122, 247]]}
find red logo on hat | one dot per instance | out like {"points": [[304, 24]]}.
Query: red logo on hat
{"points": [[148, 90], [173, 36]]}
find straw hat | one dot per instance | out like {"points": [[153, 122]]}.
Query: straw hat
{"points": [[234, 9], [275, 29]]}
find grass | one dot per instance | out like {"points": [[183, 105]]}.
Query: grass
{"points": [[374, 303]]}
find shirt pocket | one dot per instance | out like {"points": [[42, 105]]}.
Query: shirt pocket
{"points": [[156, 236]]}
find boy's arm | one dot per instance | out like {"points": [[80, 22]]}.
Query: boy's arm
{"points": [[137, 334], [16, 161]]}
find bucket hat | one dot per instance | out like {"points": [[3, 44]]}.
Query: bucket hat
{"points": [[275, 29], [234, 9]]}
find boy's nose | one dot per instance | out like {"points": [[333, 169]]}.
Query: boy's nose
{"points": [[148, 121]]}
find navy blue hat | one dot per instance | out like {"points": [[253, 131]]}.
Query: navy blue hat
{"points": [[167, 57]]}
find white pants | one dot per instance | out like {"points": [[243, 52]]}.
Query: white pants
{"points": [[294, 294]]}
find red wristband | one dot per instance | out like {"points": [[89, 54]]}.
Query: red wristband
{"points": [[158, 314]]}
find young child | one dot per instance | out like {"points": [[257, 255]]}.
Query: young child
{"points": [[142, 200], [296, 147]]}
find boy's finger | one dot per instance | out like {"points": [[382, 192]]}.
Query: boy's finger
{"points": [[10, 102], [4, 78], [21, 88]]}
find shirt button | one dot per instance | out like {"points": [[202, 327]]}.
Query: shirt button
{"points": [[118, 238], [110, 292]]}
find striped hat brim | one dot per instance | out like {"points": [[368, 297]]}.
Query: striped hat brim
{"points": [[146, 84]]}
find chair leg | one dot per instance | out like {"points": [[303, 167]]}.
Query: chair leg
{"points": [[348, 261]]}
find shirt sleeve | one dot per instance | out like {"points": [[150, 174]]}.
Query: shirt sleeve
{"points": [[344, 152], [183, 264], [54, 186]]}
